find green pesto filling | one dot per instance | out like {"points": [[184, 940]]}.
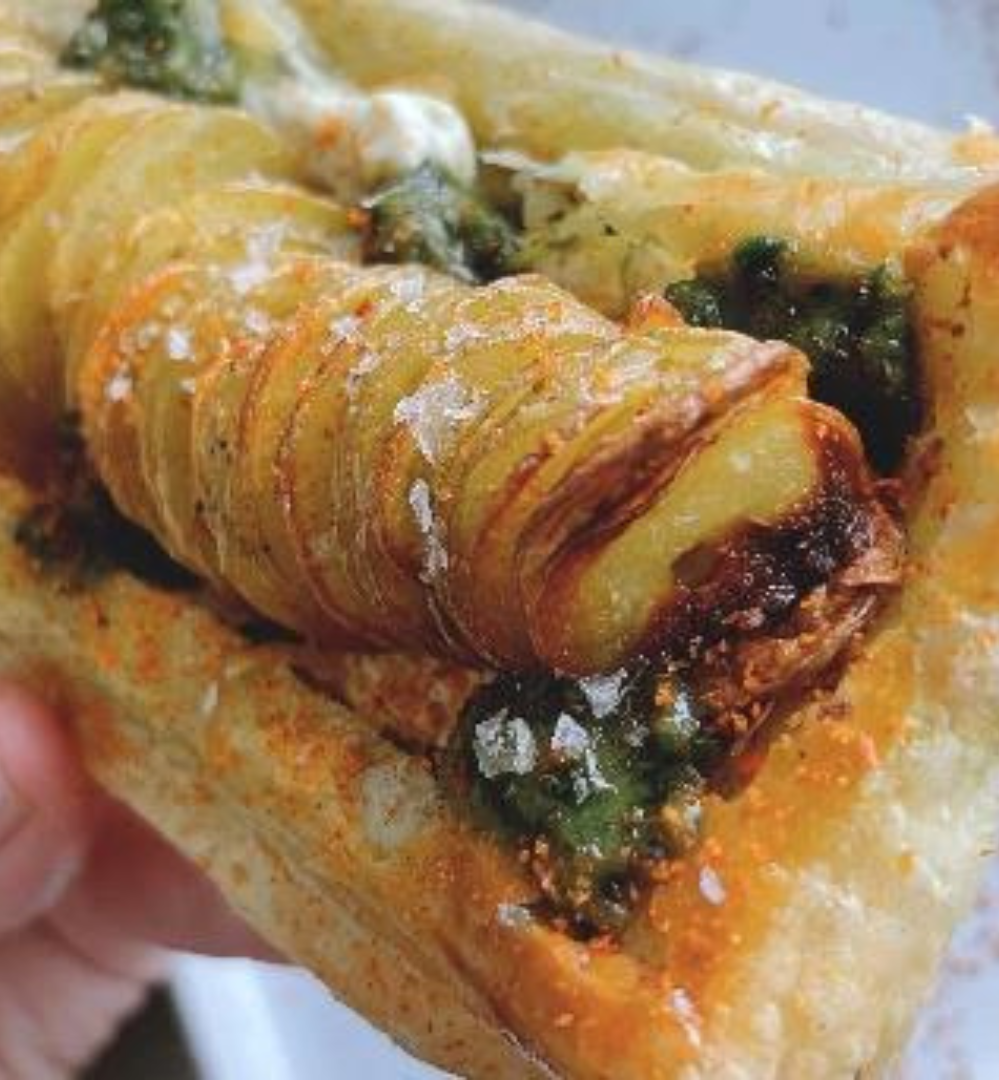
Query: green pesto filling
{"points": [[172, 47], [429, 217], [857, 334], [595, 780]]}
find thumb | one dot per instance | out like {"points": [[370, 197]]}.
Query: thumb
{"points": [[47, 809]]}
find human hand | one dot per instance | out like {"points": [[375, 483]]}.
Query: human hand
{"points": [[90, 898]]}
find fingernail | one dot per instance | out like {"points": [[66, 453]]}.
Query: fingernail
{"points": [[12, 809]]}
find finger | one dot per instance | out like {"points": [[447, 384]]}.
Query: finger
{"points": [[137, 886], [58, 1006], [47, 809]]}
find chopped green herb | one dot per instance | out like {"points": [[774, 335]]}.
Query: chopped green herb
{"points": [[428, 217], [699, 302], [857, 334], [596, 779], [174, 47]]}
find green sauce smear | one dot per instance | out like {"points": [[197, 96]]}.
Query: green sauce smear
{"points": [[172, 47], [594, 780], [857, 334], [429, 217]]}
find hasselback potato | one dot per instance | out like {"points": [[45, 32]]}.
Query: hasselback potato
{"points": [[386, 456]]}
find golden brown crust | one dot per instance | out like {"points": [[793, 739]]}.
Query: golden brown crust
{"points": [[835, 877], [839, 839]]}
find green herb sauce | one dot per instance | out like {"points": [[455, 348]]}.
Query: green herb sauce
{"points": [[596, 780], [857, 334], [172, 47], [428, 217]]}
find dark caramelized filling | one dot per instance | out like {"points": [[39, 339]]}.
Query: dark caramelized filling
{"points": [[76, 533], [756, 576]]}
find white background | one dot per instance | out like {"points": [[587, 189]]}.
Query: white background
{"points": [[932, 59]]}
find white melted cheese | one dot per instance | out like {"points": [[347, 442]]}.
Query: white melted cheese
{"points": [[349, 140]]}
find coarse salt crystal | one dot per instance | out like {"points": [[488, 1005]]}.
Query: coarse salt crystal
{"points": [[209, 700], [345, 327], [513, 916], [178, 343], [367, 362], [461, 334], [435, 411], [569, 739], [711, 886], [408, 288], [119, 387], [683, 1009], [504, 745], [435, 558], [591, 781], [603, 692], [261, 248], [256, 321]]}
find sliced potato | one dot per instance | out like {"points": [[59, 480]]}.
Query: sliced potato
{"points": [[260, 546], [215, 328], [39, 180], [21, 61], [618, 593], [26, 105], [203, 147], [227, 226]]}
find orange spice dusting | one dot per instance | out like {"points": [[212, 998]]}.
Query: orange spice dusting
{"points": [[328, 132], [713, 390], [552, 442], [868, 751], [665, 693], [652, 312]]}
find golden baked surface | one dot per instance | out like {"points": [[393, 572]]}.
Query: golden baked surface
{"points": [[835, 875]]}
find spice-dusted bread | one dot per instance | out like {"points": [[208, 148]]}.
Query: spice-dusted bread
{"points": [[692, 754]]}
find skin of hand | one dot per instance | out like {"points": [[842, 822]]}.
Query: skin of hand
{"points": [[91, 900]]}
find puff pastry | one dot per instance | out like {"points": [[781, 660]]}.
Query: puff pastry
{"points": [[385, 455]]}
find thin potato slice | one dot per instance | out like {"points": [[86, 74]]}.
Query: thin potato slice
{"points": [[258, 533], [210, 331], [39, 181], [25, 106], [204, 147], [226, 226]]}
